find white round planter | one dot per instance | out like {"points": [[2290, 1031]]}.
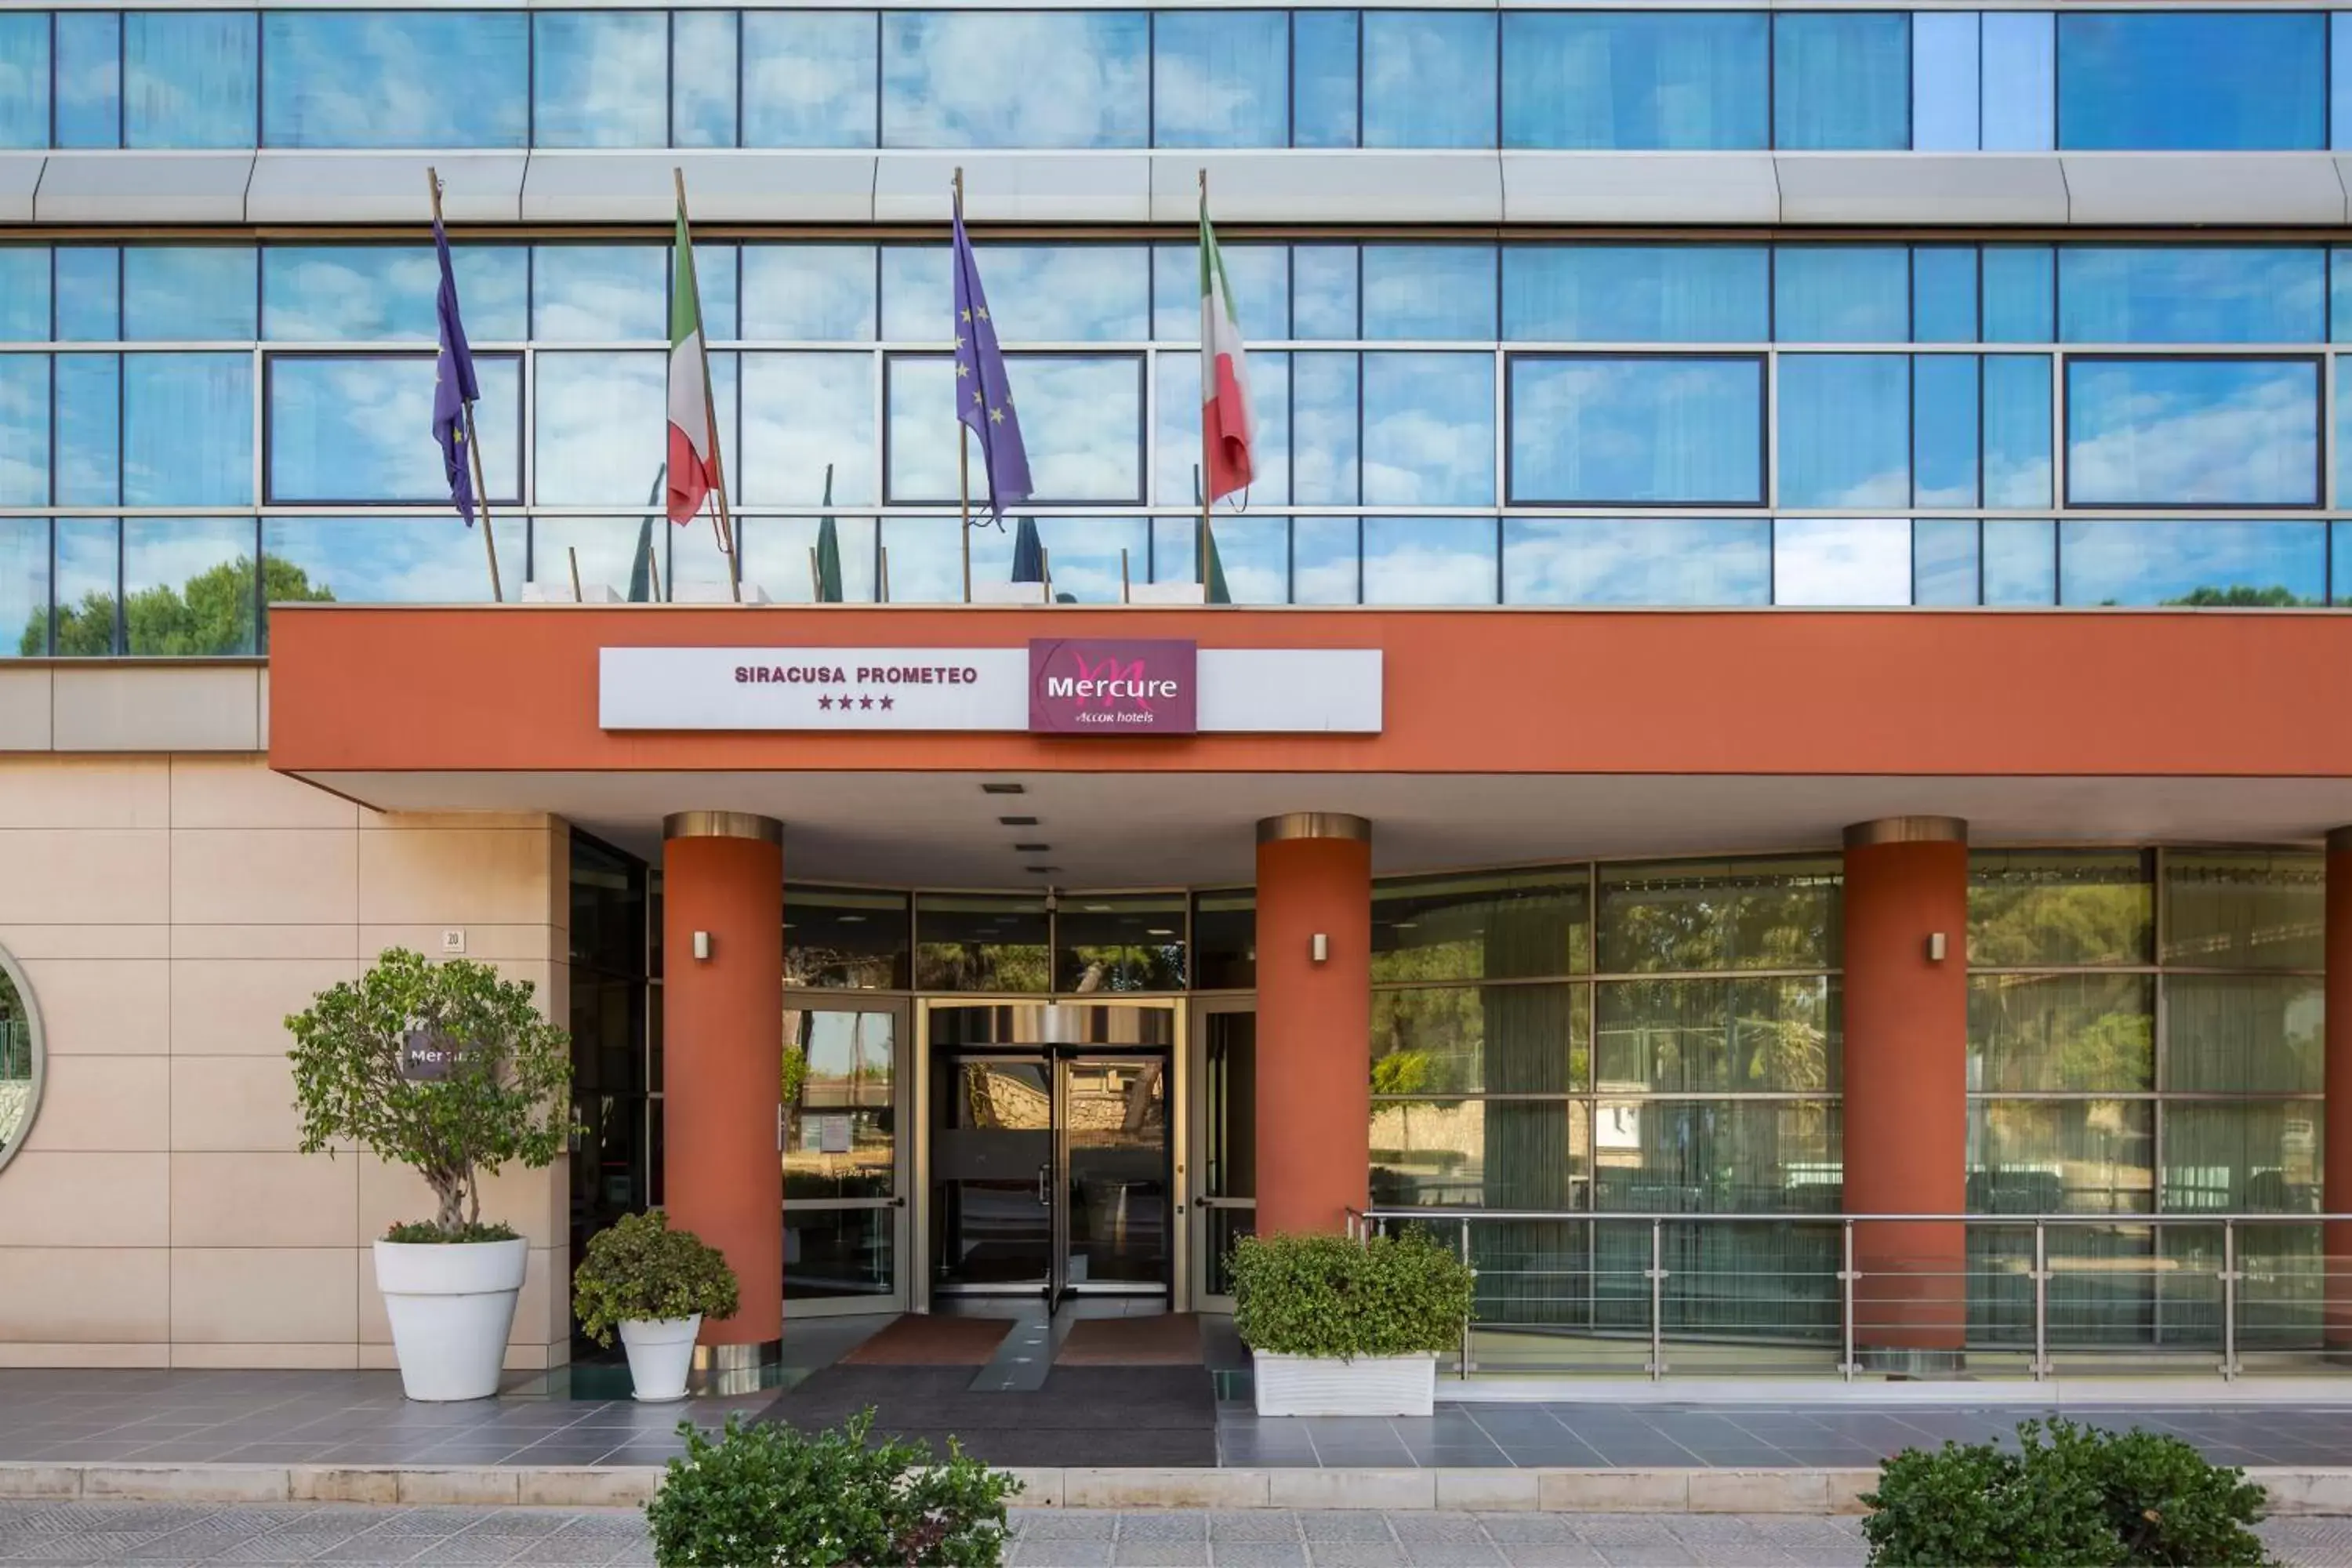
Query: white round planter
{"points": [[451, 1306], [661, 1352], [1332, 1385]]}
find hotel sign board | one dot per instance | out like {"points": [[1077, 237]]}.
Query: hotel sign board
{"points": [[1052, 685]]}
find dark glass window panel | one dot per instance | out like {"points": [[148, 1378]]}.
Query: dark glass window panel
{"points": [[2242, 1159], [1429, 291], [1654, 430], [1717, 1036], [89, 567], [2019, 71], [1841, 80], [1946, 93], [397, 78], [2187, 82], [384, 293], [1944, 293], [832, 1254], [2049, 1034], [89, 78], [25, 73], [343, 430], [1221, 79], [2192, 432], [1017, 79], [1841, 294], [1687, 915], [702, 97], [1429, 79], [1473, 1154], [2255, 564], [812, 293], [188, 586], [23, 429], [1945, 562], [2061, 1156], [2021, 561], [2017, 430], [840, 1089], [1633, 80], [190, 78], [1502, 925], [2243, 1034], [1636, 293], [1429, 429], [2192, 294], [1846, 430], [1119, 943], [1429, 561], [188, 293], [24, 294], [2059, 906], [1702, 1156], [1945, 402], [601, 78], [982, 943], [2233, 908], [187, 429], [1038, 293], [24, 587], [1324, 106], [1225, 941], [2019, 293], [385, 560], [89, 293], [608, 908], [809, 78], [846, 939], [1637, 560]]}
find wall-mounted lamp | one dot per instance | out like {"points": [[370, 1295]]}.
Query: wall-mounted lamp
{"points": [[1321, 948], [1935, 947], [702, 946]]}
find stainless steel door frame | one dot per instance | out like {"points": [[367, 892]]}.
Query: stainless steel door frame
{"points": [[1200, 1229], [899, 1202], [1066, 1061], [1047, 1175]]}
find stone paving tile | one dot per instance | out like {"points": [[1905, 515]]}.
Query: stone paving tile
{"points": [[1059, 1554], [1257, 1554], [1345, 1525], [1237, 1526], [1354, 1554]]}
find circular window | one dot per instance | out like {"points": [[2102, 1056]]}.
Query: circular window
{"points": [[20, 1058]]}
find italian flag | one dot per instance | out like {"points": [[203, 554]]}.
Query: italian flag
{"points": [[1227, 434], [692, 459]]}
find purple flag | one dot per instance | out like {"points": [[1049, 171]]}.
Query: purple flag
{"points": [[983, 396], [452, 385]]}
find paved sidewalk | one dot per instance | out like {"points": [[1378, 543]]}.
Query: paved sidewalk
{"points": [[179, 1535]]}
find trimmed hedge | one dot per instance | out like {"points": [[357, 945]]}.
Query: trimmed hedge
{"points": [[1329, 1296]]}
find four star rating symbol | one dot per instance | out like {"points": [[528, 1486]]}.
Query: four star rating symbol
{"points": [[828, 702]]}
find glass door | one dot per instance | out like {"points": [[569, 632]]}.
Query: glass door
{"points": [[844, 1182], [1113, 1233], [991, 1187], [1224, 1141]]}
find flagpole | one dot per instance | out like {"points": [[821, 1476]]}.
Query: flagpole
{"points": [[473, 447], [711, 418], [1202, 549], [963, 440]]}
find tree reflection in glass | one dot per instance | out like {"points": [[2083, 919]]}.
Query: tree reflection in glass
{"points": [[16, 1060]]}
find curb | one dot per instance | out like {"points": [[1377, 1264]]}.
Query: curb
{"points": [[1658, 1490]]}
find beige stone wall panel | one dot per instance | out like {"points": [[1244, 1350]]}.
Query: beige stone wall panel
{"points": [[241, 1104], [68, 1199], [101, 1006], [264, 1199], [85, 791], [263, 1295], [101, 877], [238, 1006], [93, 1295], [263, 876], [109, 1105]]}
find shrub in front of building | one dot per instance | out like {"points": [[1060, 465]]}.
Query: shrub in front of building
{"points": [[1331, 1296], [765, 1496], [2069, 1494], [640, 1270]]}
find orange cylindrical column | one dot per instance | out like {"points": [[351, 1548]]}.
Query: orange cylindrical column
{"points": [[1906, 1116], [723, 876], [2336, 1156], [1314, 1020]]}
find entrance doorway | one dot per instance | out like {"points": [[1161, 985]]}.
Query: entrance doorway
{"points": [[1051, 1166]]}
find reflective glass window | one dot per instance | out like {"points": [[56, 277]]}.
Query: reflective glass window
{"points": [[343, 430], [1324, 291], [1429, 291], [1945, 564], [601, 78], [1842, 80], [1637, 560], [23, 586], [24, 293], [189, 79], [2017, 430], [1253, 553], [1944, 293], [1429, 429], [1129, 942], [2059, 908], [87, 583], [1732, 1156], [1846, 430], [1841, 562], [1015, 78], [1944, 97], [1841, 294], [1082, 555], [1635, 79], [188, 586], [1038, 293], [23, 429], [188, 293], [809, 78], [1499, 1154], [385, 560], [1429, 561], [1445, 1040], [606, 549], [1324, 73], [1720, 1036], [1944, 399], [89, 430], [2192, 432], [88, 293], [1325, 390], [2020, 294], [2243, 1034], [1258, 275], [2021, 561], [2239, 564], [2019, 74], [1221, 79], [605, 294], [702, 97], [2051, 1034], [1081, 423], [1686, 915], [2220, 80], [2064, 1156], [980, 941], [1429, 79], [25, 80], [1636, 293], [599, 427], [2252, 1158], [187, 429], [1178, 481], [776, 552], [384, 293], [397, 79], [1502, 925], [2236, 909], [808, 420], [813, 293], [2192, 294], [1661, 430], [1326, 564]]}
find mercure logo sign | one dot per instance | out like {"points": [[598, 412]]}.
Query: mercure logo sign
{"points": [[1101, 687]]}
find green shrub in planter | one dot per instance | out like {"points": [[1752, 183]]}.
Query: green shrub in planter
{"points": [[640, 1270], [2070, 1495], [1329, 1296], [766, 1496]]}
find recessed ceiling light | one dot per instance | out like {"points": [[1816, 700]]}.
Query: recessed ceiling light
{"points": [[851, 919], [1042, 870], [1004, 789], [1402, 925], [1096, 909], [1159, 931], [1017, 821], [1033, 849]]}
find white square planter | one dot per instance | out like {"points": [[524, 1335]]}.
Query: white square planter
{"points": [[1331, 1386]]}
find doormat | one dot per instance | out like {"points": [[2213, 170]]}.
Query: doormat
{"points": [[1147, 1415], [1164, 1339], [923, 1339]]}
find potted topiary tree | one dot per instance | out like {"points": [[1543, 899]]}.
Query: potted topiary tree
{"points": [[451, 1069], [1338, 1326], [655, 1285]]}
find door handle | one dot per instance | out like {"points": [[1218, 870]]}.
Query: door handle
{"points": [[1045, 1184]]}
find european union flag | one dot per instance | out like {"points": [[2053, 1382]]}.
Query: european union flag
{"points": [[983, 396], [454, 385]]}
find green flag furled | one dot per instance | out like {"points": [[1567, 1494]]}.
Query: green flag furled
{"points": [[641, 564], [828, 551]]}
